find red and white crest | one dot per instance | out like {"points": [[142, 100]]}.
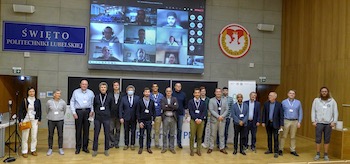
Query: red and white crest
{"points": [[234, 41]]}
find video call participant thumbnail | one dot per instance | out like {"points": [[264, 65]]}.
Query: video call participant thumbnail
{"points": [[172, 20], [106, 55], [108, 35]]}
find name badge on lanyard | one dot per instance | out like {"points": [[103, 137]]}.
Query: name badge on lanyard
{"points": [[56, 113], [146, 111], [155, 104], [197, 104], [291, 105], [219, 104], [291, 110], [102, 102], [56, 107], [241, 115], [155, 99]]}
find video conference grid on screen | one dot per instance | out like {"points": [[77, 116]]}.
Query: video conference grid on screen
{"points": [[163, 35]]}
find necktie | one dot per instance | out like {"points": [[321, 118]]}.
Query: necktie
{"points": [[130, 101]]}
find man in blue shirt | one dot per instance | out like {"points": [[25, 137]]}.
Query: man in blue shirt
{"points": [[293, 115], [181, 99], [82, 108], [157, 98]]}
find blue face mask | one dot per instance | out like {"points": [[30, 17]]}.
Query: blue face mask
{"points": [[130, 93]]}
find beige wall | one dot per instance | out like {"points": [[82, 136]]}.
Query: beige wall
{"points": [[53, 69]]}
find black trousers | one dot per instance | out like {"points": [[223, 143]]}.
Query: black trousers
{"points": [[129, 127], [97, 128], [239, 130], [82, 126], [252, 129], [272, 132], [52, 125], [148, 128], [114, 132]]}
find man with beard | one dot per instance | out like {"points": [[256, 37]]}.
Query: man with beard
{"points": [[324, 116]]}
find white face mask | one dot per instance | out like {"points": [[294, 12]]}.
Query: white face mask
{"points": [[130, 93]]}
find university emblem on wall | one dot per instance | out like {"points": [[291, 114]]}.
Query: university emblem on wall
{"points": [[234, 41]]}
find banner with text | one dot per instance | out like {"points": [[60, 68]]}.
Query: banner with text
{"points": [[19, 36]]}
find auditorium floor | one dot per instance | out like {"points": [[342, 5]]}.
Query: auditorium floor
{"points": [[305, 148]]}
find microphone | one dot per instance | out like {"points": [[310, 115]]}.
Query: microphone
{"points": [[10, 104]]}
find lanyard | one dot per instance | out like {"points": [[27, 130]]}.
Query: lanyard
{"points": [[240, 107], [218, 102], [197, 104], [146, 102], [291, 104], [104, 99], [156, 97], [56, 106]]}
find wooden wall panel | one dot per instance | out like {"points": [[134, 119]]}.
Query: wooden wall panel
{"points": [[315, 53]]}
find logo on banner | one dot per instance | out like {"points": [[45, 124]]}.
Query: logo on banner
{"points": [[234, 41]]}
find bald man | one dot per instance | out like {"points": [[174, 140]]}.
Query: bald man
{"points": [[272, 119]]}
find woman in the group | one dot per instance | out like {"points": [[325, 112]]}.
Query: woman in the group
{"points": [[172, 41], [30, 111], [56, 109]]}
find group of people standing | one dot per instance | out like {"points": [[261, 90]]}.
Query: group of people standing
{"points": [[153, 109]]}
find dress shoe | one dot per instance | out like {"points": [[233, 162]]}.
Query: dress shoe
{"points": [[86, 151], [268, 152], [209, 151], [94, 153], [149, 150], [173, 151], [132, 147], [243, 153], [77, 151], [116, 146], [235, 152], [107, 153], [223, 151], [199, 153], [180, 146], [25, 155], [157, 147], [294, 153], [163, 151], [280, 152], [253, 149], [276, 155], [192, 153], [126, 148], [140, 151], [34, 153]]}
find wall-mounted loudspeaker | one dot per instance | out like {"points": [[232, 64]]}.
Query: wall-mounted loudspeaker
{"points": [[23, 9], [265, 27]]}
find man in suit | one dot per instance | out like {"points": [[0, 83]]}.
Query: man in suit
{"points": [[127, 115], [114, 131], [181, 99], [102, 108], [146, 115], [197, 110], [218, 108], [272, 119], [239, 113], [169, 106], [253, 119]]}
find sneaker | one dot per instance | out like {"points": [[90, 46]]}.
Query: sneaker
{"points": [[49, 152], [94, 153], [60, 151], [317, 157], [204, 145], [107, 153], [326, 158]]}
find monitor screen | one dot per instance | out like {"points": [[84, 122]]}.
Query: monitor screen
{"points": [[147, 35]]}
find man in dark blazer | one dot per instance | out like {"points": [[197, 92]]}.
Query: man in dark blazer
{"points": [[253, 119], [127, 113], [272, 119], [169, 106], [114, 131], [239, 113], [197, 110]]}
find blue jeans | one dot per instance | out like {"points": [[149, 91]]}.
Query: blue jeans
{"points": [[180, 120]]}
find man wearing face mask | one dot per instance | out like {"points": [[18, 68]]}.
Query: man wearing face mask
{"points": [[102, 108], [127, 113]]}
